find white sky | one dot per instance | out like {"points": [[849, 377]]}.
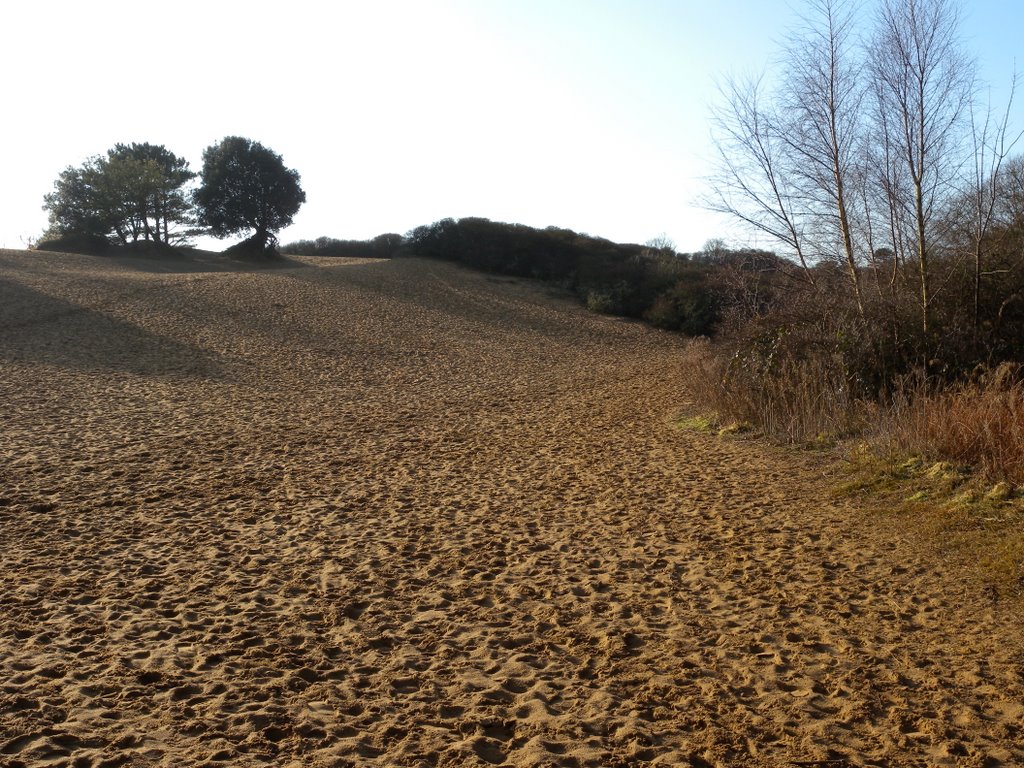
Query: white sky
{"points": [[586, 114]]}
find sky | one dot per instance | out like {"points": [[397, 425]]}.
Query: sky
{"points": [[592, 115]]}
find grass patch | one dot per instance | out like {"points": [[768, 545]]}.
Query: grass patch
{"points": [[710, 423], [705, 422], [966, 517]]}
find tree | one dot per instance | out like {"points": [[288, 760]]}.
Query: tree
{"points": [[246, 187], [754, 181], [991, 147], [824, 131], [80, 204], [923, 85], [854, 148], [790, 156], [135, 192], [152, 181]]}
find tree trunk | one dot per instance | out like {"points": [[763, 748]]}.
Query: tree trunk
{"points": [[922, 258], [844, 225]]}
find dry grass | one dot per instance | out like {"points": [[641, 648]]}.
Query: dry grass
{"points": [[946, 463], [979, 424], [796, 401], [968, 519]]}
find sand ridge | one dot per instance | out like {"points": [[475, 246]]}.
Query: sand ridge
{"points": [[349, 513]]}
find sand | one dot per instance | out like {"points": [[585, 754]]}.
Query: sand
{"points": [[350, 513]]}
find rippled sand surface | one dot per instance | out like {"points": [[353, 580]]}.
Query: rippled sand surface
{"points": [[348, 513]]}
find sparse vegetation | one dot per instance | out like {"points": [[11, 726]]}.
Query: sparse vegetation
{"points": [[948, 507]]}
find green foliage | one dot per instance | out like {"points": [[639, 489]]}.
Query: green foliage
{"points": [[606, 301], [650, 282], [152, 182], [702, 422], [135, 192], [688, 306], [246, 187], [81, 203], [381, 247]]}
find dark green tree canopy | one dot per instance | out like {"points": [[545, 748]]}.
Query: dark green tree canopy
{"points": [[246, 187], [78, 204], [157, 197], [136, 192]]}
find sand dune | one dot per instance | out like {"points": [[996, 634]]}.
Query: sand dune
{"points": [[398, 514]]}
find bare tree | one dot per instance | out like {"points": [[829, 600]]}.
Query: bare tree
{"points": [[660, 245], [754, 180], [789, 164], [924, 85], [822, 97], [991, 144], [714, 249]]}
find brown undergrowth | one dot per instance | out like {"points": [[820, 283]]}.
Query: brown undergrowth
{"points": [[945, 462], [786, 399], [979, 423]]}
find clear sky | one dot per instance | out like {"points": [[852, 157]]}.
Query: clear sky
{"points": [[586, 114]]}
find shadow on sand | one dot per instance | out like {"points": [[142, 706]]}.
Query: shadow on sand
{"points": [[36, 327], [153, 260]]}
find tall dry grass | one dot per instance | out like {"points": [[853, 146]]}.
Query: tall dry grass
{"points": [[978, 424], [789, 399]]}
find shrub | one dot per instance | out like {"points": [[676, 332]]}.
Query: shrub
{"points": [[603, 301], [979, 423], [785, 396], [688, 306], [91, 245]]}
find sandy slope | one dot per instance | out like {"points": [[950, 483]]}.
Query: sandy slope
{"points": [[394, 513]]}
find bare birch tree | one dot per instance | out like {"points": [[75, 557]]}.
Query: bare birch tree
{"points": [[789, 160], [754, 181], [923, 84], [992, 143], [822, 96]]}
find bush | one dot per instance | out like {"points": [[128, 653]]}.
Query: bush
{"points": [[611, 278], [254, 248], [604, 302], [688, 306], [787, 397], [90, 245]]}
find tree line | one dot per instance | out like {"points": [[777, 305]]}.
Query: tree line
{"points": [[380, 247], [144, 192], [652, 282]]}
